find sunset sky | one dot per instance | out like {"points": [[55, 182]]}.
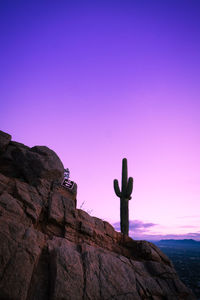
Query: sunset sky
{"points": [[97, 81]]}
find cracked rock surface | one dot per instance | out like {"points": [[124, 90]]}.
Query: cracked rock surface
{"points": [[49, 250]]}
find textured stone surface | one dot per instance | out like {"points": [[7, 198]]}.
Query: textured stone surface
{"points": [[49, 250], [5, 138], [31, 164]]}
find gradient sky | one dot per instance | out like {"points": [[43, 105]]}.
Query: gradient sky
{"points": [[97, 81]]}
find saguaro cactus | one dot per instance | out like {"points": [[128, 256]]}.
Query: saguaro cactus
{"points": [[125, 196]]}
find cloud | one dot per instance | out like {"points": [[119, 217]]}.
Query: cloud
{"points": [[188, 226], [140, 230], [135, 225]]}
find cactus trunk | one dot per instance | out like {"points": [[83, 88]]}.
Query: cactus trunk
{"points": [[125, 196], [124, 176], [124, 216]]}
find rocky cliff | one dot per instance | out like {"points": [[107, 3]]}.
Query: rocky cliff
{"points": [[49, 250]]}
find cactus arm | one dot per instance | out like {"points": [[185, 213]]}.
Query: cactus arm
{"points": [[116, 188], [124, 175], [129, 187]]}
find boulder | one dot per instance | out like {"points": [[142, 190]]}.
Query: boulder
{"points": [[5, 139], [30, 165]]}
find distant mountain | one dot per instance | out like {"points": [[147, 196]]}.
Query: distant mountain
{"points": [[184, 241], [178, 243]]}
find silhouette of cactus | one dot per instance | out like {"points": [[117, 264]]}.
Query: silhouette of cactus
{"points": [[125, 196]]}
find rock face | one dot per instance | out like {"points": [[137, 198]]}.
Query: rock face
{"points": [[49, 250]]}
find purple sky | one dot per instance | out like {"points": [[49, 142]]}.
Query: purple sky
{"points": [[97, 81]]}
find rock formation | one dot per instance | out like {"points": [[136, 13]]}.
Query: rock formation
{"points": [[49, 250]]}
